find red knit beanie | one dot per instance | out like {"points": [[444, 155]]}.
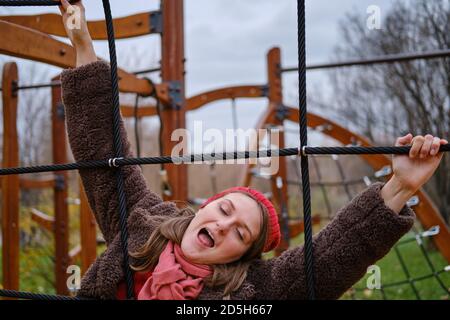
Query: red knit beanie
{"points": [[273, 233]]}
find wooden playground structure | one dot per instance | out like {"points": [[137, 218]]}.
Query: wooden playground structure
{"points": [[30, 37]]}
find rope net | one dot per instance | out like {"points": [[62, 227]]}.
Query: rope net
{"points": [[413, 269]]}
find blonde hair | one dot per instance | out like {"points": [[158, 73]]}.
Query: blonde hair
{"points": [[230, 275]]}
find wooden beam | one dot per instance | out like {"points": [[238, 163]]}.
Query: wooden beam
{"points": [[297, 227], [10, 184], [36, 184], [275, 95], [125, 27], [249, 91], [88, 229], [143, 111], [43, 220], [30, 44], [61, 209], [172, 72], [74, 254]]}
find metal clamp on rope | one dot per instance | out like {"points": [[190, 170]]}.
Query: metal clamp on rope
{"points": [[302, 151], [165, 186], [112, 162]]}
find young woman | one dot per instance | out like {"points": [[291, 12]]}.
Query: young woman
{"points": [[215, 253]]}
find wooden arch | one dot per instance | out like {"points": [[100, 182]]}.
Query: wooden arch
{"points": [[250, 91], [126, 27]]}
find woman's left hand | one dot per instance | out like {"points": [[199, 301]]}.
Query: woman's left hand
{"points": [[414, 170]]}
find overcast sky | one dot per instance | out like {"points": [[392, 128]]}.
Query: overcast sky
{"points": [[227, 41]]}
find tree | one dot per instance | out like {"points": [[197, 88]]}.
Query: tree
{"points": [[384, 101]]}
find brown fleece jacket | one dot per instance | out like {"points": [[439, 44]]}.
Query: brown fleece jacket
{"points": [[361, 233]]}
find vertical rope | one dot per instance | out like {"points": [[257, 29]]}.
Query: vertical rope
{"points": [[118, 150], [308, 251]]}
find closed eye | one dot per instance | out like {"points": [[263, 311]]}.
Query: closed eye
{"points": [[240, 235], [223, 211]]}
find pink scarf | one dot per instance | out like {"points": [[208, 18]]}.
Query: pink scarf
{"points": [[174, 278]]}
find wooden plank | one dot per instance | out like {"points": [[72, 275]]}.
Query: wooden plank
{"points": [[172, 71], [275, 96], [30, 44], [36, 184], [297, 227], [10, 184], [248, 91], [45, 221], [125, 27], [143, 111], [88, 231], [75, 254], [61, 209]]}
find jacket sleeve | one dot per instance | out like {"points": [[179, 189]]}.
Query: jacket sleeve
{"points": [[87, 98], [361, 233]]}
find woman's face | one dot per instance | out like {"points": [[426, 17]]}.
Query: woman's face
{"points": [[222, 231]]}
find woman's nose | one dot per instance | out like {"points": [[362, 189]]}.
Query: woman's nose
{"points": [[224, 225]]}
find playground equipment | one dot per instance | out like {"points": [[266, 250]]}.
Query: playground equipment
{"points": [[36, 44]]}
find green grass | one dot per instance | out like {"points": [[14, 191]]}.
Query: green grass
{"points": [[392, 272], [36, 270], [417, 266]]}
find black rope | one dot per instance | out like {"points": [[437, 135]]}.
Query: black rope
{"points": [[303, 127], [407, 274], [365, 150], [39, 86], [118, 150], [433, 269], [35, 296], [31, 3], [119, 162]]}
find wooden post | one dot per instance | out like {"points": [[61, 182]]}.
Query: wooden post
{"points": [[10, 184], [61, 231], [88, 235], [172, 73], [275, 96]]}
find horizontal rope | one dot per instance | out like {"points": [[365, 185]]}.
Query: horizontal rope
{"points": [[366, 150], [34, 296], [119, 162], [38, 86], [390, 58], [30, 3]]}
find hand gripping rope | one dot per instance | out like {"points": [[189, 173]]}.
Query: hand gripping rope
{"points": [[116, 163]]}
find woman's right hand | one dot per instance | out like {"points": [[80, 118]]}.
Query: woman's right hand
{"points": [[74, 20]]}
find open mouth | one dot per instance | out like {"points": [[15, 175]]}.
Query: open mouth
{"points": [[206, 238]]}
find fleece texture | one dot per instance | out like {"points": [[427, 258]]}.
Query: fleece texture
{"points": [[361, 233]]}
